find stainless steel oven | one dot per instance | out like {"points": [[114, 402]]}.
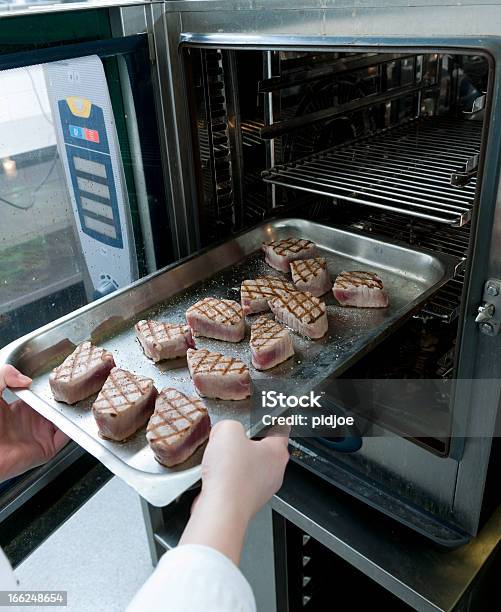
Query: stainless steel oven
{"points": [[368, 117], [375, 117]]}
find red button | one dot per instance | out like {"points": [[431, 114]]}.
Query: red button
{"points": [[91, 135]]}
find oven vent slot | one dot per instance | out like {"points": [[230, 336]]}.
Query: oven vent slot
{"points": [[406, 169]]}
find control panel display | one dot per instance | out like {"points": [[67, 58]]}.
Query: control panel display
{"points": [[90, 186], [91, 170], [89, 149], [89, 167], [103, 210]]}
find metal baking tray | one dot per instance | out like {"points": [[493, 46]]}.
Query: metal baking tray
{"points": [[410, 276]]}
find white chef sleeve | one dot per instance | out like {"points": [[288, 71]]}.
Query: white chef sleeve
{"points": [[8, 581], [192, 578]]}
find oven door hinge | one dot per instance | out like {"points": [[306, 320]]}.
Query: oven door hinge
{"points": [[489, 312]]}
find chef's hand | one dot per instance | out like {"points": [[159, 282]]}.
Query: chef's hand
{"points": [[238, 477], [244, 472], [10, 377], [27, 440]]}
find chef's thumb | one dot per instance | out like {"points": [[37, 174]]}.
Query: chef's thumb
{"points": [[279, 431], [10, 377], [277, 438]]}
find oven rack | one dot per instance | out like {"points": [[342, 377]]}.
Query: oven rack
{"points": [[405, 169], [445, 304]]}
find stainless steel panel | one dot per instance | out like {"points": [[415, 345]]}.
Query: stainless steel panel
{"points": [[389, 25], [351, 18], [35, 480], [428, 578], [411, 276], [174, 129]]}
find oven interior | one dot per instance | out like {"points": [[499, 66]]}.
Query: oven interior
{"points": [[387, 143]]}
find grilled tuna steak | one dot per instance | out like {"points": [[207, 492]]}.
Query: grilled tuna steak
{"points": [[280, 253], [124, 404], [81, 374], [311, 275], [360, 289], [256, 293], [270, 343], [302, 312], [216, 318], [179, 425], [164, 340], [219, 376]]}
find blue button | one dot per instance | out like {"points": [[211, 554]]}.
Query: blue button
{"points": [[76, 132]]}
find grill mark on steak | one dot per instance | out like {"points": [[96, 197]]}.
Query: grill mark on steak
{"points": [[289, 245], [82, 359], [161, 341], [265, 331], [302, 305], [264, 287], [114, 387], [181, 406], [207, 362], [124, 404], [306, 269], [255, 293], [223, 312], [81, 374], [161, 332], [358, 278], [178, 426]]}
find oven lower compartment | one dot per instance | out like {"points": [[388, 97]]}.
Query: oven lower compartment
{"points": [[330, 547], [313, 456]]}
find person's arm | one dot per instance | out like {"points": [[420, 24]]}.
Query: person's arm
{"points": [[238, 477]]}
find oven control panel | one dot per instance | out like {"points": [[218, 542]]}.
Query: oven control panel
{"points": [[89, 149], [91, 169]]}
